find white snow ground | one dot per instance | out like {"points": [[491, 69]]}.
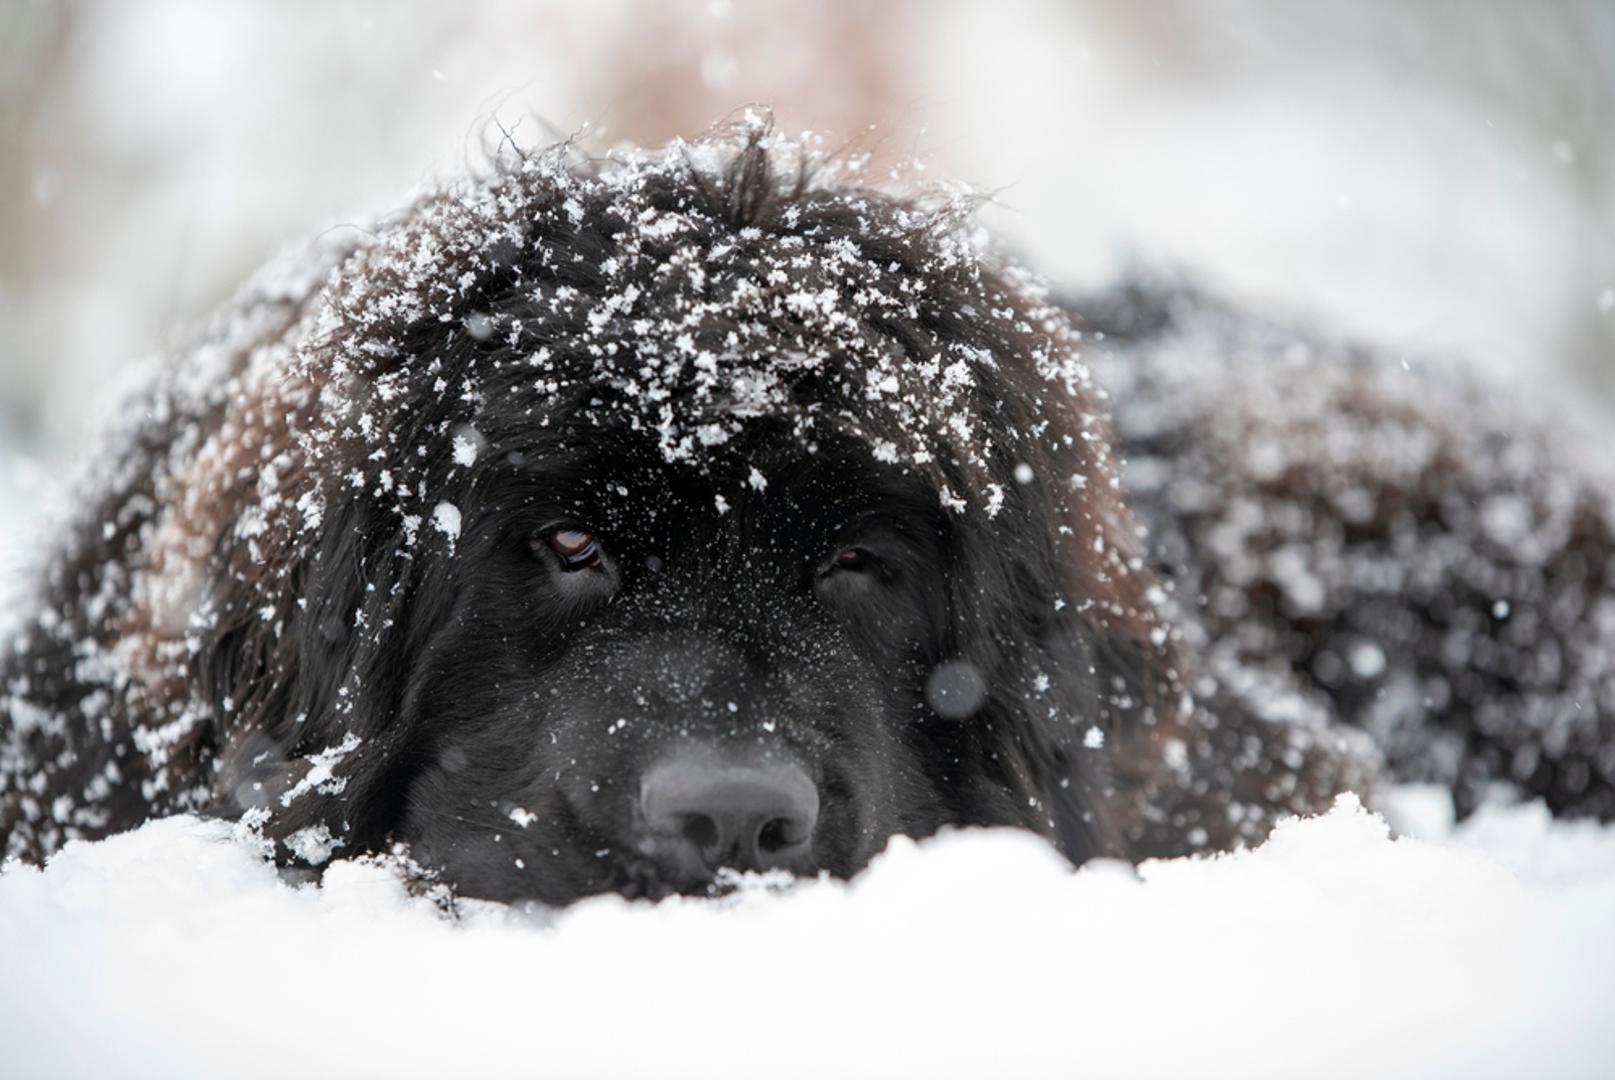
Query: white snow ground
{"points": [[1333, 950]]}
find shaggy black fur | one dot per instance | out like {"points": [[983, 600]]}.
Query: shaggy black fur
{"points": [[583, 466]]}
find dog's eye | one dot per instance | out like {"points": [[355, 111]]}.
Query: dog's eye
{"points": [[852, 559], [576, 548]]}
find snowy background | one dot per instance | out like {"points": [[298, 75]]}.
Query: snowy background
{"points": [[1439, 176]]}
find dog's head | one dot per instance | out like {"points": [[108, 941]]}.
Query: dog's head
{"points": [[675, 513]]}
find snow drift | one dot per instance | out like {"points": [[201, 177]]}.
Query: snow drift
{"points": [[1332, 950]]}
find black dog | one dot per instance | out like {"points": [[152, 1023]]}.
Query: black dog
{"points": [[602, 525]]}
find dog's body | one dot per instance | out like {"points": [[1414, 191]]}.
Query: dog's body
{"points": [[1400, 547], [597, 527]]}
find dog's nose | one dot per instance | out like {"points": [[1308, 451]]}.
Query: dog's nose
{"points": [[703, 812]]}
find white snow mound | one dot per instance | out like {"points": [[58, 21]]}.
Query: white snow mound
{"points": [[1332, 950]]}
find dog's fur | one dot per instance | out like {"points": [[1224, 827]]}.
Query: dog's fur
{"points": [[321, 594], [1410, 549]]}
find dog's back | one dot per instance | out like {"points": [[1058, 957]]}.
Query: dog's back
{"points": [[1423, 555]]}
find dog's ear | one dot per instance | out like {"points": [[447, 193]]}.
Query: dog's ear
{"points": [[1029, 765], [305, 667], [1065, 689], [1104, 686]]}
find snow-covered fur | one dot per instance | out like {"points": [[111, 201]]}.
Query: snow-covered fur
{"points": [[1398, 544], [851, 504]]}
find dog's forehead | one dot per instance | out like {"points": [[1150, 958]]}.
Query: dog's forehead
{"points": [[640, 298], [769, 489]]}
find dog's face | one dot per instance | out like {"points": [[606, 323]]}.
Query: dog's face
{"points": [[673, 522], [636, 688]]}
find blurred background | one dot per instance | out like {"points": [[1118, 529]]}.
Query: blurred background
{"points": [[1435, 175]]}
